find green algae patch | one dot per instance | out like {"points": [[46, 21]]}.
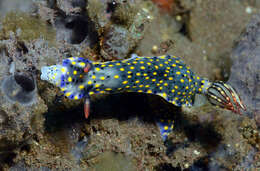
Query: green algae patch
{"points": [[26, 27], [114, 161]]}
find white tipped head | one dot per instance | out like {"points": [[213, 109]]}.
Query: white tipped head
{"points": [[52, 74]]}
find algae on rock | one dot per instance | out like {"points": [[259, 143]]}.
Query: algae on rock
{"points": [[26, 27]]}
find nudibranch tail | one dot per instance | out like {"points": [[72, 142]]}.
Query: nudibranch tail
{"points": [[70, 76], [223, 95]]}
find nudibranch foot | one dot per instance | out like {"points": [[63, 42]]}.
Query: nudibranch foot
{"points": [[165, 126]]}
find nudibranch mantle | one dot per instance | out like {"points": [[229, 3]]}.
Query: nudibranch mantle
{"points": [[166, 76]]}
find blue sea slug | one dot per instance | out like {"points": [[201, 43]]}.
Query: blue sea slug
{"points": [[166, 76]]}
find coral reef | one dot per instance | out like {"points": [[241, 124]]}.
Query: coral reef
{"points": [[245, 69], [119, 40]]}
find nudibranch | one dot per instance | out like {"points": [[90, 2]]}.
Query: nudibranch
{"points": [[166, 76]]}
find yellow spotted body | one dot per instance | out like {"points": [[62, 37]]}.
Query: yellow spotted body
{"points": [[166, 76]]}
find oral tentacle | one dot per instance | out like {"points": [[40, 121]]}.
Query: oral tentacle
{"points": [[87, 107]]}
